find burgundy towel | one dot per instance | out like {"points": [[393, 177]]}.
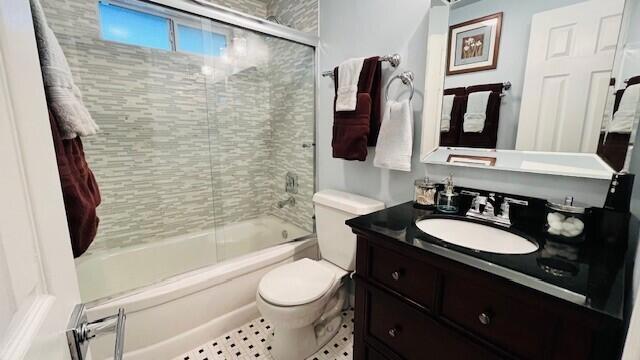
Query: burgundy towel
{"points": [[79, 189], [617, 99], [489, 135], [451, 137], [614, 151], [354, 130], [633, 80]]}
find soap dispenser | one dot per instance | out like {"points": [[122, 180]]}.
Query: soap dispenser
{"points": [[448, 198]]}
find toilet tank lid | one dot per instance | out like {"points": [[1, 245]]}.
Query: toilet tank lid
{"points": [[350, 203]]}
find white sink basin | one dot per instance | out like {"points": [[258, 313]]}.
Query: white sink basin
{"points": [[476, 236]]}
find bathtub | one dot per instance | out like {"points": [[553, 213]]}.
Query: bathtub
{"points": [[170, 317], [108, 273]]}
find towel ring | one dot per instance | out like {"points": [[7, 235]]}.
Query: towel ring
{"points": [[407, 79]]}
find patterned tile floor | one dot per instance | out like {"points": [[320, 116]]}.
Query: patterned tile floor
{"points": [[251, 341]]}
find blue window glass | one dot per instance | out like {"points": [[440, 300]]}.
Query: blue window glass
{"points": [[199, 41], [133, 27]]}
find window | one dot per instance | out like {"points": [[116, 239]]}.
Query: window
{"points": [[166, 31], [200, 41], [134, 27]]}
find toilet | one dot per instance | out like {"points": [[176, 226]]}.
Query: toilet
{"points": [[303, 300]]}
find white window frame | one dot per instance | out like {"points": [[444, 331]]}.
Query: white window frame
{"points": [[175, 18]]}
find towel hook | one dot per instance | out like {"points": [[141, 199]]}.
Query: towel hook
{"points": [[407, 79]]}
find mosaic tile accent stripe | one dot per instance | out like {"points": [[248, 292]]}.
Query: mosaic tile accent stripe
{"points": [[252, 341], [298, 14]]}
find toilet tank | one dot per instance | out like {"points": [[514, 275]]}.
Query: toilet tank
{"points": [[336, 240]]}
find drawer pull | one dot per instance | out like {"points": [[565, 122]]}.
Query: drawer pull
{"points": [[484, 318], [395, 275], [393, 332]]}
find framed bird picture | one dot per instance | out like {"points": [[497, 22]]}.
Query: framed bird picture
{"points": [[474, 45]]}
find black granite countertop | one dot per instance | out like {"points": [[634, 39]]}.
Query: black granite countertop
{"points": [[590, 274]]}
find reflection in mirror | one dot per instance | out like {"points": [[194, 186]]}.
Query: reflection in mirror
{"points": [[556, 57], [622, 110]]}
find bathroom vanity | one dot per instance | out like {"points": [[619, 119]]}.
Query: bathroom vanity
{"points": [[419, 297]]}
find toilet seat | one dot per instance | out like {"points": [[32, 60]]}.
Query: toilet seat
{"points": [[298, 283]]}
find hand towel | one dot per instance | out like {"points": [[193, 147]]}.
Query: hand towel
{"points": [[625, 119], [447, 106], [607, 117], [63, 96], [395, 142], [348, 77], [354, 130], [476, 113]]}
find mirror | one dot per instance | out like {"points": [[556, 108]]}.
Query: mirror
{"points": [[531, 83], [622, 107]]}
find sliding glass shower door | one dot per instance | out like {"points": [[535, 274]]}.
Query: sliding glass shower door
{"points": [[206, 145], [261, 97]]}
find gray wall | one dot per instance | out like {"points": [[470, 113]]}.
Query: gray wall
{"points": [[364, 28], [514, 45], [401, 27]]}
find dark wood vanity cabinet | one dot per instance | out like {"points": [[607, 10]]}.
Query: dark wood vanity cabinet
{"points": [[413, 304]]}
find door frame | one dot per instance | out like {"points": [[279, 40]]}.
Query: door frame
{"points": [[39, 284]]}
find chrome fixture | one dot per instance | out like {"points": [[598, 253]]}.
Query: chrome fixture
{"points": [[407, 78], [291, 183], [273, 19], [505, 86], [291, 201], [393, 60], [80, 331], [490, 205]]}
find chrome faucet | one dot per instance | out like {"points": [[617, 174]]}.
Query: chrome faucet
{"points": [[490, 204], [291, 201]]}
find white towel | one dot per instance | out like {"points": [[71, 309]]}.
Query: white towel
{"points": [[395, 140], [476, 112], [63, 96], [608, 108], [348, 76], [445, 119], [625, 119]]}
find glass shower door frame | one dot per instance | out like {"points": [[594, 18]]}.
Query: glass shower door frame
{"points": [[236, 18]]}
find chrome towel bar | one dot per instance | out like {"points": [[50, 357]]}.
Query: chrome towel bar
{"points": [[393, 60]]}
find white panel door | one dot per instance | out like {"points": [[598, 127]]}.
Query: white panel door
{"points": [[38, 285], [571, 53]]}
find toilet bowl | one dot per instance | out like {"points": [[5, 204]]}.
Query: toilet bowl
{"points": [[303, 300]]}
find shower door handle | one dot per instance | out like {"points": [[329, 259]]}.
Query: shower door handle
{"points": [[80, 331]]}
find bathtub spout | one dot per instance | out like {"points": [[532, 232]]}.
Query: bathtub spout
{"points": [[291, 201]]}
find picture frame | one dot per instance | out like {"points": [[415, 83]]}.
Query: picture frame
{"points": [[471, 160], [474, 45]]}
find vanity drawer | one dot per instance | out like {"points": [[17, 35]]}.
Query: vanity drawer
{"points": [[407, 276], [522, 328], [371, 354], [412, 334]]}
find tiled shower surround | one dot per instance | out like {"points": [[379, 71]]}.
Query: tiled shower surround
{"points": [[180, 151]]}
